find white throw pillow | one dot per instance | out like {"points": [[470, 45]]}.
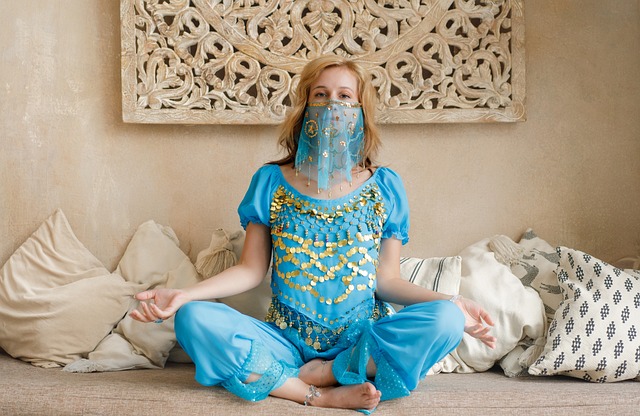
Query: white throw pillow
{"points": [[517, 311], [57, 300], [595, 334]]}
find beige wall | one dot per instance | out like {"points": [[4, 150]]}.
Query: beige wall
{"points": [[571, 171]]}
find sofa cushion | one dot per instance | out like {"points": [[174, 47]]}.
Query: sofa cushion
{"points": [[440, 274], [535, 267], [152, 259], [595, 334], [57, 300], [516, 310]]}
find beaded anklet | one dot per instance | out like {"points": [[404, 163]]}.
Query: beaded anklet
{"points": [[313, 393]]}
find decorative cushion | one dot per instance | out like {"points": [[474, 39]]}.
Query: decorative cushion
{"points": [[57, 301], [595, 334], [440, 274], [222, 253], [517, 311], [152, 259], [535, 268]]}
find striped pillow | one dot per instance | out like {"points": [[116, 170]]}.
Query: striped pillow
{"points": [[441, 274]]}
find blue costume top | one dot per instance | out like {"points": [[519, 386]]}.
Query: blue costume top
{"points": [[325, 255]]}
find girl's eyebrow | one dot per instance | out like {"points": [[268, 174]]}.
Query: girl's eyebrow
{"points": [[340, 88]]}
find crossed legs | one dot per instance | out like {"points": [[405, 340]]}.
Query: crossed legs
{"points": [[328, 393], [219, 341]]}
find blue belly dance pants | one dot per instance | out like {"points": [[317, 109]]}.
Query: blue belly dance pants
{"points": [[227, 347]]}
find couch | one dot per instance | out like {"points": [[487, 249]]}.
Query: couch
{"points": [[558, 312], [28, 390]]}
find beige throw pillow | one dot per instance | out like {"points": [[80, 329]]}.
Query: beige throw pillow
{"points": [[152, 259], [57, 301]]}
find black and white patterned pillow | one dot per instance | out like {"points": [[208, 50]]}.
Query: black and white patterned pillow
{"points": [[595, 333]]}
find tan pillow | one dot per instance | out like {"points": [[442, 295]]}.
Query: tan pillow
{"points": [[152, 259], [57, 301], [223, 252]]}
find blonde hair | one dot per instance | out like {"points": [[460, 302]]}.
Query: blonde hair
{"points": [[290, 128]]}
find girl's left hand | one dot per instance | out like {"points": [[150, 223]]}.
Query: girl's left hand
{"points": [[478, 322]]}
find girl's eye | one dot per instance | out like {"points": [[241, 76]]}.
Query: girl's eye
{"points": [[345, 96]]}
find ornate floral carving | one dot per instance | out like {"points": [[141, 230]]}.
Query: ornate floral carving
{"points": [[232, 62]]}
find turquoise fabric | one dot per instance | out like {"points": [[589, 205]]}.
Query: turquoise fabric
{"points": [[331, 142], [220, 341], [404, 347], [255, 206], [325, 257], [325, 254]]}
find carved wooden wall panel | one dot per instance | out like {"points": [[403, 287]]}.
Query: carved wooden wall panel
{"points": [[235, 62]]}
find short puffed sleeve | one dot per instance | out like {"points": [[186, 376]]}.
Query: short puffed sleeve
{"points": [[396, 204], [255, 205]]}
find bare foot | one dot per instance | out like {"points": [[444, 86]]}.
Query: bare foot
{"points": [[357, 396], [318, 372]]}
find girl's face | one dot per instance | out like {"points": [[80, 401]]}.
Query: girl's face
{"points": [[335, 83]]}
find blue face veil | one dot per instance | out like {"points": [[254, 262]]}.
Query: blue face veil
{"points": [[331, 142]]}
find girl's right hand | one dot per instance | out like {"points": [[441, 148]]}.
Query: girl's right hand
{"points": [[158, 304]]}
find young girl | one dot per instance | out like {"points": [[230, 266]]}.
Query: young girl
{"points": [[333, 225]]}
